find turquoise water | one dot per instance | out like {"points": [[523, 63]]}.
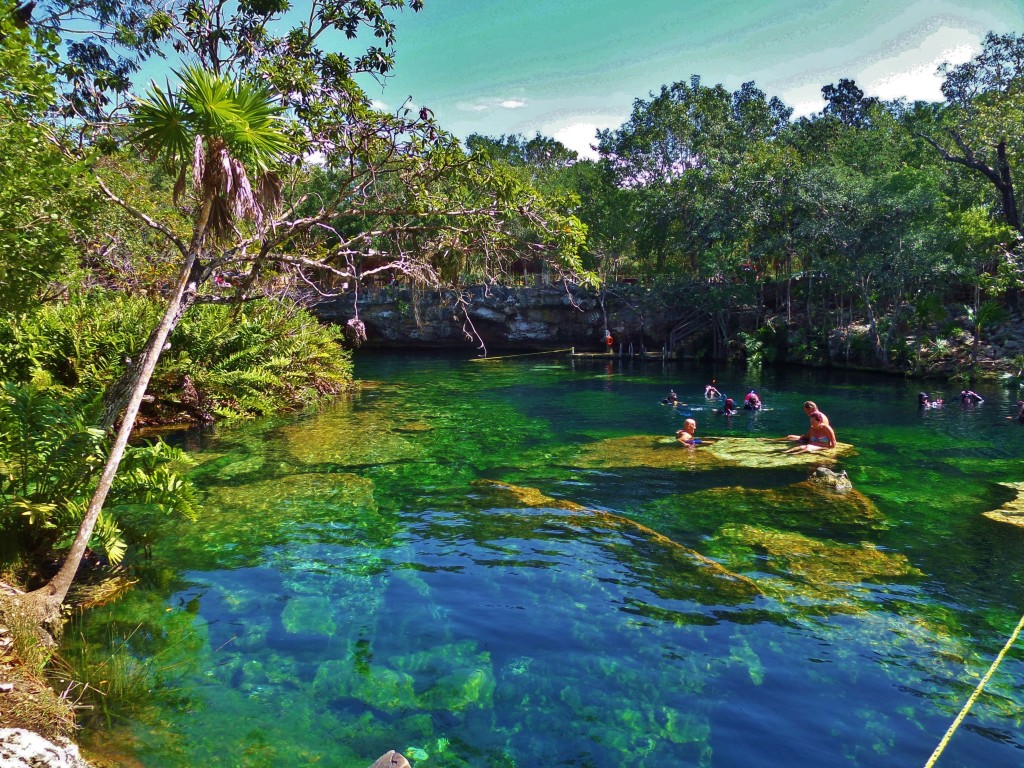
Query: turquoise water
{"points": [[475, 564]]}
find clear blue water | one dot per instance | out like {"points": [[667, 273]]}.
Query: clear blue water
{"points": [[352, 586]]}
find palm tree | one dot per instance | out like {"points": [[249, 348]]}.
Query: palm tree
{"points": [[227, 133]]}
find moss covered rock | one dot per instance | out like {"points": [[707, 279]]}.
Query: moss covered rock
{"points": [[309, 615], [727, 452], [1011, 512], [375, 686], [820, 561]]}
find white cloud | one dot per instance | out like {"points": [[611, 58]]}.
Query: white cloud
{"points": [[912, 73], [579, 136], [464, 106], [512, 104]]}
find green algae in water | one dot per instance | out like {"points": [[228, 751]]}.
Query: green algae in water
{"points": [[458, 568]]}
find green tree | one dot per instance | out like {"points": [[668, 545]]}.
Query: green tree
{"points": [[403, 189], [981, 127], [42, 194]]}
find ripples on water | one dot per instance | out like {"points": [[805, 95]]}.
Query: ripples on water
{"points": [[353, 586]]}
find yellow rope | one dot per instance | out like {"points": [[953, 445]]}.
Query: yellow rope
{"points": [[524, 354], [975, 695]]}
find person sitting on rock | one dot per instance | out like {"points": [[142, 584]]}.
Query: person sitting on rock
{"points": [[820, 437], [810, 408]]}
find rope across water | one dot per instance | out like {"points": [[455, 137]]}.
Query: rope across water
{"points": [[974, 696]]}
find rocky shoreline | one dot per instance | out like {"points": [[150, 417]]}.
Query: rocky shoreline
{"points": [[486, 320]]}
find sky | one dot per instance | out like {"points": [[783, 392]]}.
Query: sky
{"points": [[565, 68]]}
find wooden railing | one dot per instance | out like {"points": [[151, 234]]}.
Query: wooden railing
{"points": [[686, 327]]}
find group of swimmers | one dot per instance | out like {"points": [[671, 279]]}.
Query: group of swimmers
{"points": [[818, 437], [967, 397], [752, 401]]}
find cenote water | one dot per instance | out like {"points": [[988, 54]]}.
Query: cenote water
{"points": [[497, 564]]}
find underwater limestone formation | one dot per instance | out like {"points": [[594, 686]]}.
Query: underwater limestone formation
{"points": [[1011, 512], [308, 615], [379, 687], [821, 562], [819, 500], [728, 452], [534, 499], [342, 437]]}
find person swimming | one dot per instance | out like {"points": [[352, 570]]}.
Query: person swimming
{"points": [[728, 407], [752, 402], [671, 398], [969, 397], [923, 401], [685, 436], [1019, 416], [710, 392]]}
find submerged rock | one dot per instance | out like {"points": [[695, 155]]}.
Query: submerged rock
{"points": [[309, 616], [798, 505], [523, 496], [1011, 512], [822, 562], [463, 688], [727, 452], [585, 517], [378, 687]]}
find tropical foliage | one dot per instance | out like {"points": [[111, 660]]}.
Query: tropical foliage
{"points": [[49, 458]]}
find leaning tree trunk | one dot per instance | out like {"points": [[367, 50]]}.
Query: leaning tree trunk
{"points": [[44, 603]]}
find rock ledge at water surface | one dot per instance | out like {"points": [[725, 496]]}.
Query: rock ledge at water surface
{"points": [[657, 452], [1011, 512]]}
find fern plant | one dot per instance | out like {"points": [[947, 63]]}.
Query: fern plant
{"points": [[49, 459], [270, 356]]}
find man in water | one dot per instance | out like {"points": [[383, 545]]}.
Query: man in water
{"points": [[685, 435], [969, 397], [1019, 416], [710, 392], [752, 402], [728, 407]]}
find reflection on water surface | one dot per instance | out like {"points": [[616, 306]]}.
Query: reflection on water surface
{"points": [[477, 564]]}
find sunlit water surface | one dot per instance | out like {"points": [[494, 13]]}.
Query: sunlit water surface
{"points": [[352, 587]]}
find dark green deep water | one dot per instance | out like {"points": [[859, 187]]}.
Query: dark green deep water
{"points": [[348, 589]]}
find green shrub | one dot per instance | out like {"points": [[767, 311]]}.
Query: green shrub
{"points": [[263, 357], [50, 457]]}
